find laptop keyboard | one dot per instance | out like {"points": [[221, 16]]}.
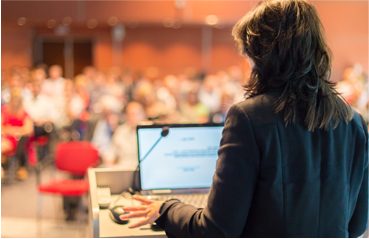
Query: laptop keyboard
{"points": [[197, 200]]}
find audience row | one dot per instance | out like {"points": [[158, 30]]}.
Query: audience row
{"points": [[105, 108]]}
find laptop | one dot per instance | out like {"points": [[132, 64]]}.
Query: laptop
{"points": [[178, 160]]}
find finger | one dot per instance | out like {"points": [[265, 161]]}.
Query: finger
{"points": [[134, 208], [142, 199], [152, 216], [133, 215], [139, 223]]}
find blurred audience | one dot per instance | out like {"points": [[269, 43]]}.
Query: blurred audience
{"points": [[90, 107], [354, 88]]}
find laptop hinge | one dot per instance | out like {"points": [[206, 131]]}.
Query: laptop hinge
{"points": [[163, 191]]}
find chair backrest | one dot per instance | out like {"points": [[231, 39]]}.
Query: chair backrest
{"points": [[76, 157]]}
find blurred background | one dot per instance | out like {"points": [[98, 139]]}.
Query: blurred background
{"points": [[92, 70], [168, 35]]}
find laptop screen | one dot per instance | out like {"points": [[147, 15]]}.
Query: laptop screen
{"points": [[178, 156]]}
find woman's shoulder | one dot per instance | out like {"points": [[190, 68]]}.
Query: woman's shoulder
{"points": [[359, 122], [258, 108]]}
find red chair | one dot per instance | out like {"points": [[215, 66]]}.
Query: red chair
{"points": [[75, 158]]}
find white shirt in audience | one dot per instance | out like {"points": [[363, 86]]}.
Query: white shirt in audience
{"points": [[54, 89], [210, 99], [41, 109], [125, 147]]}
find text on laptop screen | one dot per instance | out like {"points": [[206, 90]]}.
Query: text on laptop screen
{"points": [[183, 159]]}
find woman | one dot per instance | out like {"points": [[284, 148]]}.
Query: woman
{"points": [[16, 128], [293, 160]]}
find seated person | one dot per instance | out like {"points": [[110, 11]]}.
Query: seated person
{"points": [[193, 110], [17, 126], [124, 138], [104, 128]]}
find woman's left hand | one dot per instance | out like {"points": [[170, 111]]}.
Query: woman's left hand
{"points": [[149, 210]]}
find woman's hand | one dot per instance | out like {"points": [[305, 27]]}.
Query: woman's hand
{"points": [[149, 210]]}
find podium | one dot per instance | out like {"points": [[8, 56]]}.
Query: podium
{"points": [[118, 180]]}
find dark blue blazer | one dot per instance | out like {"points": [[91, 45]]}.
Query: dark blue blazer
{"points": [[274, 180]]}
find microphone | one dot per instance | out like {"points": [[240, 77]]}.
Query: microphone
{"points": [[164, 133]]}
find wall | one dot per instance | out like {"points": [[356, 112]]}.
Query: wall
{"points": [[16, 48], [171, 50], [175, 50], [346, 27]]}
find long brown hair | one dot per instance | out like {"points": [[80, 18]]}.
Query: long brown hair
{"points": [[285, 40]]}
